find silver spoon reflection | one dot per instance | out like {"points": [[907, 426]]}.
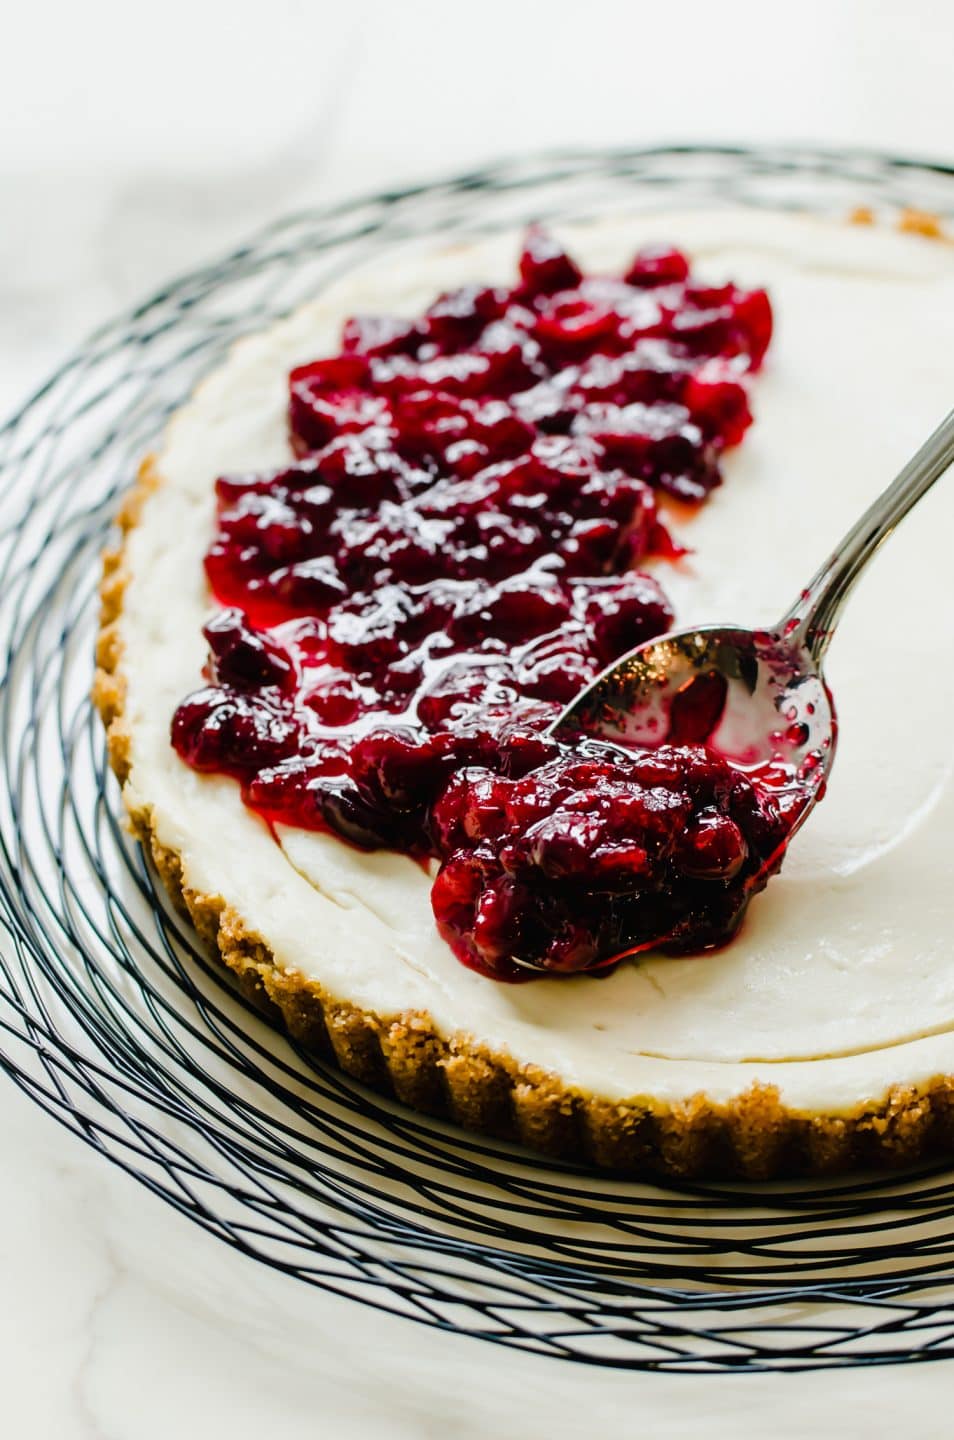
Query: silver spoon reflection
{"points": [[757, 697]]}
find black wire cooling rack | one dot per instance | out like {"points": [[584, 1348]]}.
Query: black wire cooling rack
{"points": [[121, 1028]]}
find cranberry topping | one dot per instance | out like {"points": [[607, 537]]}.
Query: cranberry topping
{"points": [[449, 556], [586, 859]]}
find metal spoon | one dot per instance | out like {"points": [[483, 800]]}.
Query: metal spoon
{"points": [[758, 697]]}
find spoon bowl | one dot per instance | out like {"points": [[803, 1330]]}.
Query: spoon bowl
{"points": [[753, 697]]}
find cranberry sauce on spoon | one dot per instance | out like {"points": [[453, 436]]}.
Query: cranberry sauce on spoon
{"points": [[449, 557]]}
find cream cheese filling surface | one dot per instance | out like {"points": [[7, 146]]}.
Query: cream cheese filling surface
{"points": [[841, 983]]}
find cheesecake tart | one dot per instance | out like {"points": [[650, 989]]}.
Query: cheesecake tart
{"points": [[820, 1034]]}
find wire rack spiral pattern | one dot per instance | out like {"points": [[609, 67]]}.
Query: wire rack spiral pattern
{"points": [[117, 1025]]}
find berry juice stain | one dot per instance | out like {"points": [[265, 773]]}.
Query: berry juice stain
{"points": [[697, 708]]}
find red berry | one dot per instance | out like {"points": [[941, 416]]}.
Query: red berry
{"points": [[658, 265], [545, 267]]}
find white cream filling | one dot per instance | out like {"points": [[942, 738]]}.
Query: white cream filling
{"points": [[849, 952]]}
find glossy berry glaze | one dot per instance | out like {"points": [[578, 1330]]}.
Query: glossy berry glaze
{"points": [[448, 558]]}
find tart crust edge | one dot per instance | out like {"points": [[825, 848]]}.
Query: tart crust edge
{"points": [[754, 1136]]}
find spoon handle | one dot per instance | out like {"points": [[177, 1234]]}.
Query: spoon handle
{"points": [[812, 619]]}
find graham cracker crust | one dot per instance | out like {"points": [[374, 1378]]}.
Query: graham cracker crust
{"points": [[753, 1137]]}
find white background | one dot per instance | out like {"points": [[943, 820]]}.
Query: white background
{"points": [[136, 141]]}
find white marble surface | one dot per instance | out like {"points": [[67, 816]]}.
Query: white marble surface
{"points": [[134, 143]]}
